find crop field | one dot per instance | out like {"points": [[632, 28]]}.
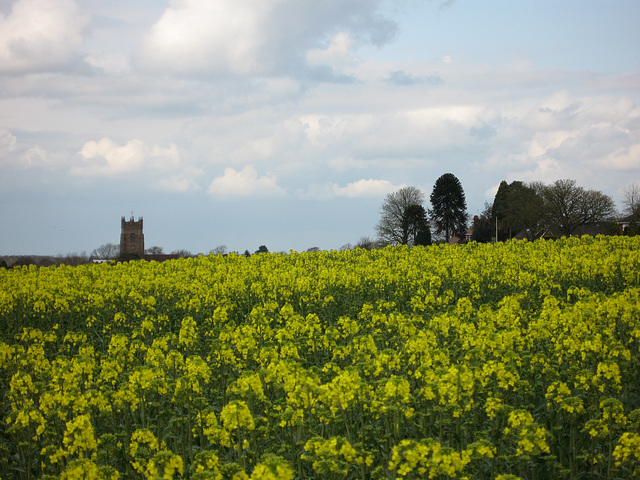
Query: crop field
{"points": [[483, 361]]}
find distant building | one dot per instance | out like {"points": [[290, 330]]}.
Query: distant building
{"points": [[131, 237], [625, 222]]}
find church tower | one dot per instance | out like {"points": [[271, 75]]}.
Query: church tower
{"points": [[131, 237]]}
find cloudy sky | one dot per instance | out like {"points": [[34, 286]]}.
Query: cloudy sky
{"points": [[286, 122]]}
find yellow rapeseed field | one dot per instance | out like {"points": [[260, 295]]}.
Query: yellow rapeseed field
{"points": [[503, 361]]}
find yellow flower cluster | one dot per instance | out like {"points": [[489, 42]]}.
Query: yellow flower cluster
{"points": [[236, 415], [429, 459], [628, 451], [333, 456], [164, 465], [475, 361], [142, 446], [531, 437], [78, 441], [272, 467]]}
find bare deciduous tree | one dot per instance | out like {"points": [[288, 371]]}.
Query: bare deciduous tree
{"points": [[394, 225], [365, 243], [108, 251], [569, 206], [219, 250], [631, 199]]}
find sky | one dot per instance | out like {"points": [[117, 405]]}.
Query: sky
{"points": [[285, 123]]}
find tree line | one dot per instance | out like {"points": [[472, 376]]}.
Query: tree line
{"points": [[523, 210], [519, 209]]}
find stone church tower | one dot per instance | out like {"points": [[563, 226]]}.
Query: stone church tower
{"points": [[131, 237]]}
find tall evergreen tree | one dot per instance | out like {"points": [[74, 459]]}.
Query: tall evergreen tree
{"points": [[424, 236], [518, 208], [415, 226], [500, 201], [449, 211]]}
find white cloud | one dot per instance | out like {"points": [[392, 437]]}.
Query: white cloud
{"points": [[198, 36], [338, 52], [40, 34], [42, 159], [17, 155], [555, 112], [34, 157], [165, 158], [182, 182], [257, 37], [106, 158], [544, 141], [7, 141], [587, 138], [624, 158], [405, 133], [366, 188], [245, 182], [110, 63]]}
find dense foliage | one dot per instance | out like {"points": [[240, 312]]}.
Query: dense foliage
{"points": [[449, 206], [502, 361], [518, 208]]}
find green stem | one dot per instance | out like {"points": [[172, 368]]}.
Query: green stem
{"points": [[572, 454], [190, 438]]}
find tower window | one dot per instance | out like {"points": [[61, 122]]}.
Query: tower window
{"points": [[133, 238]]}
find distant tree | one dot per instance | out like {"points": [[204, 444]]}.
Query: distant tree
{"points": [[262, 249], [400, 215], [182, 253], [365, 243], [108, 251], [414, 225], [3, 264], [632, 229], [219, 250], [525, 211], [611, 227], [154, 250], [568, 206], [423, 236], [500, 201], [247, 253], [346, 246], [631, 199], [449, 206], [75, 259], [518, 208], [23, 261], [483, 226], [313, 249], [48, 261]]}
